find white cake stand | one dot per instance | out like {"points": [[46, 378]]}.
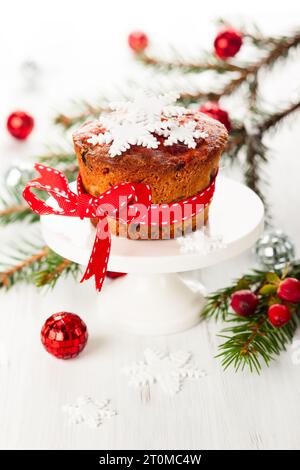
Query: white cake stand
{"points": [[152, 298]]}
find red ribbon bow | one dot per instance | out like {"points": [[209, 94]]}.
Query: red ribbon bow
{"points": [[131, 195]]}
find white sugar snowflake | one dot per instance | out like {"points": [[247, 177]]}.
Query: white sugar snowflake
{"points": [[124, 134], [148, 108], [102, 138], [168, 370], [139, 121], [200, 242], [89, 411], [185, 133]]}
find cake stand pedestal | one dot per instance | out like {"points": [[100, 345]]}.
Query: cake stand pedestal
{"points": [[153, 299]]}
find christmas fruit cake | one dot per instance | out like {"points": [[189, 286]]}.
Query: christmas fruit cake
{"points": [[150, 140]]}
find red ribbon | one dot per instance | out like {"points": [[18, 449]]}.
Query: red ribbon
{"points": [[122, 202]]}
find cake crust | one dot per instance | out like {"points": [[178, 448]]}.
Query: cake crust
{"points": [[173, 173]]}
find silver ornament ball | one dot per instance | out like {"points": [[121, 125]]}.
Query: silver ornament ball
{"points": [[274, 249], [17, 176]]}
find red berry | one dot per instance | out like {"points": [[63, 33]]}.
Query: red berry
{"points": [[289, 290], [279, 315], [138, 41], [227, 43], [114, 275], [20, 124], [212, 109], [244, 302]]}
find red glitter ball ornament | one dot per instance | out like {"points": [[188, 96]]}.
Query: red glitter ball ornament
{"points": [[138, 41], [213, 110], [64, 335], [20, 124], [227, 43]]}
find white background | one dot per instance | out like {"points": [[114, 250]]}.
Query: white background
{"points": [[81, 50]]}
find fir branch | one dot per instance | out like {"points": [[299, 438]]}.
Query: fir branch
{"points": [[217, 303], [56, 158], [256, 151], [278, 50], [228, 89], [14, 209], [31, 262], [89, 111], [276, 118], [236, 141], [63, 161], [24, 269], [251, 341], [188, 67], [255, 155], [53, 268]]}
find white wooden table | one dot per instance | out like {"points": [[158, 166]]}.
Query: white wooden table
{"points": [[222, 410]]}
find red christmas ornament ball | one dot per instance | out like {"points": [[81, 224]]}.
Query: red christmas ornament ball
{"points": [[64, 335], [213, 110], [114, 275], [20, 124], [279, 315], [289, 290], [227, 43], [244, 302], [138, 41]]}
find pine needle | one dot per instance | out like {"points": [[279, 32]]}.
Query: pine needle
{"points": [[251, 341], [30, 261]]}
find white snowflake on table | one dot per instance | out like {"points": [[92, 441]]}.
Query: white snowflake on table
{"points": [[185, 133], [168, 370], [89, 411], [200, 242]]}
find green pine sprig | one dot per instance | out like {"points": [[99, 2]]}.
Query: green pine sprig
{"points": [[277, 49], [53, 268], [29, 261], [85, 111], [64, 161], [13, 208], [20, 260], [252, 341], [58, 157]]}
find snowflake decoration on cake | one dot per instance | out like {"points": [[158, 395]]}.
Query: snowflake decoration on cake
{"points": [[185, 133], [122, 135], [141, 120], [167, 370], [148, 108], [89, 411], [200, 242]]}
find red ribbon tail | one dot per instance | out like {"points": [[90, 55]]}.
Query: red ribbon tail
{"points": [[98, 261]]}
